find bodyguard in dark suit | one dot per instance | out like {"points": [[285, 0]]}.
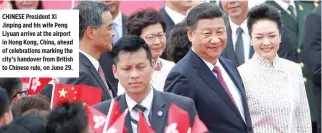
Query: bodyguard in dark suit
{"points": [[119, 22], [312, 52], [211, 81], [94, 40], [237, 12], [133, 67]]}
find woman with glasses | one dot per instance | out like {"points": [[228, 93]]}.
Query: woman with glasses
{"points": [[149, 25], [274, 86]]}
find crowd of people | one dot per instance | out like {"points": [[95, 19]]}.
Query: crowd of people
{"points": [[239, 69]]}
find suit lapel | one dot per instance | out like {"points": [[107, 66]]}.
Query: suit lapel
{"points": [[167, 20], [94, 72], [231, 55], [123, 106], [238, 84], [208, 76], [158, 107], [124, 18]]}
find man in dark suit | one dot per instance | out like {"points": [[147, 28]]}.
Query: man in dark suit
{"points": [[237, 12], [119, 22], [174, 12], [211, 81], [133, 67], [312, 52], [94, 40]]}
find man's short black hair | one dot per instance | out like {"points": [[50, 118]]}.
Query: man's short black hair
{"points": [[4, 102], [204, 11], [130, 43], [69, 117], [12, 86], [263, 11]]}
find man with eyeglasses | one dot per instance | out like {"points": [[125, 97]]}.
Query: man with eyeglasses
{"points": [[13, 86]]}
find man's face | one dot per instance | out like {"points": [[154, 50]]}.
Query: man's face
{"points": [[208, 38], [114, 5], [134, 71], [235, 8], [183, 4], [103, 35], [27, 4]]}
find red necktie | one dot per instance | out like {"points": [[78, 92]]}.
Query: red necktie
{"points": [[222, 82], [158, 66], [101, 73]]}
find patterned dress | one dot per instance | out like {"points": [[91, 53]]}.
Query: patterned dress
{"points": [[276, 95]]}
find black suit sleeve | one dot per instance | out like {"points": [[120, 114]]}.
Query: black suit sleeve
{"points": [[178, 84], [312, 46], [286, 50]]}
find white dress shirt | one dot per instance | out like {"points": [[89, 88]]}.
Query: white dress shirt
{"points": [[119, 24], [174, 15], [245, 35], [91, 59], [147, 103], [285, 5], [230, 84]]}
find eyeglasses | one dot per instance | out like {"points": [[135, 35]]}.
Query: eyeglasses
{"points": [[152, 37], [24, 92]]}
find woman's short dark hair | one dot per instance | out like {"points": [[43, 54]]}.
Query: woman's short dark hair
{"points": [[14, 6], [263, 11], [24, 104], [178, 43], [143, 18]]}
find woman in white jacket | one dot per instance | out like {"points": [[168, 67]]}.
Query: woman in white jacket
{"points": [[274, 86]]}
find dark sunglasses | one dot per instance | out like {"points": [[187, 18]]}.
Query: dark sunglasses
{"points": [[25, 92]]}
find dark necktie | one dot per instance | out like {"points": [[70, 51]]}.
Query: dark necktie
{"points": [[239, 46], [223, 83], [291, 9], [136, 108], [101, 73]]}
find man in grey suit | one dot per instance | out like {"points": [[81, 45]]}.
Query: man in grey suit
{"points": [[119, 22], [133, 68], [95, 33]]}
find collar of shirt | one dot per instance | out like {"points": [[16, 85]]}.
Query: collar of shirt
{"points": [[285, 5], [174, 15], [211, 66], [234, 27], [91, 59], [118, 22], [147, 101]]}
